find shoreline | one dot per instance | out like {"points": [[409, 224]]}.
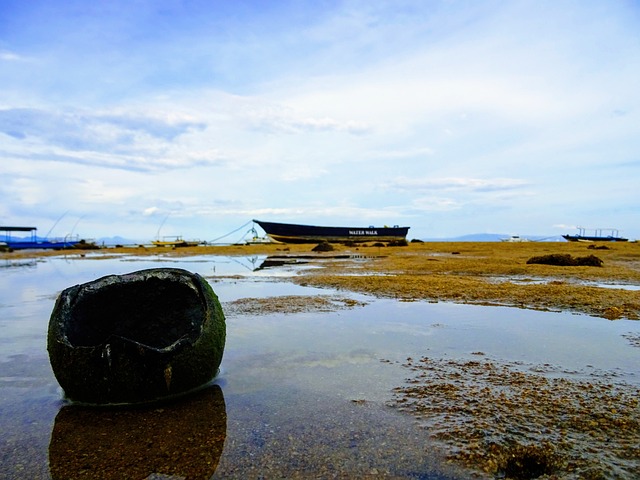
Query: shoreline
{"points": [[484, 273]]}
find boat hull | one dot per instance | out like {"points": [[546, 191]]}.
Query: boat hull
{"points": [[587, 238], [35, 242], [183, 243], [294, 233], [28, 245]]}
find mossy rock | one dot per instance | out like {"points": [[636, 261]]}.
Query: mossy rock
{"points": [[566, 260], [137, 337], [323, 246]]}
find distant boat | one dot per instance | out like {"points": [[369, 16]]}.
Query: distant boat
{"points": [[294, 233], [175, 241], [35, 243], [598, 235], [514, 238], [259, 241]]}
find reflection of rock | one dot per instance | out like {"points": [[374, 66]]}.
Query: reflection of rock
{"points": [[182, 439], [137, 337]]}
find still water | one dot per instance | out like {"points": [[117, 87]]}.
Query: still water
{"points": [[299, 395]]}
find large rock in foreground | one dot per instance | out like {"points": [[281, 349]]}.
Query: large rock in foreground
{"points": [[136, 338]]}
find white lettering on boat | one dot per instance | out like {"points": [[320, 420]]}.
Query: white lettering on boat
{"points": [[363, 232]]}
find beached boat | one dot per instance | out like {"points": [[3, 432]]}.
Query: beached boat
{"points": [[596, 235], [294, 233], [34, 242]]}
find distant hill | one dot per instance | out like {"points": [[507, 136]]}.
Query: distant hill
{"points": [[117, 240], [494, 237]]}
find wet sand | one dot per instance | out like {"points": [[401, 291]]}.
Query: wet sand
{"points": [[499, 419]]}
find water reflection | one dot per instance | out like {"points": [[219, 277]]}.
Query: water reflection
{"points": [[276, 261], [184, 439], [206, 264], [18, 263]]}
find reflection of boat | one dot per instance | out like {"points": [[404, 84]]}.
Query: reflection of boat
{"points": [[597, 235], [274, 261], [183, 439], [34, 242], [175, 241], [293, 233]]}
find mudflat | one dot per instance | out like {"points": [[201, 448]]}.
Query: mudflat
{"points": [[488, 273], [497, 274], [499, 419]]}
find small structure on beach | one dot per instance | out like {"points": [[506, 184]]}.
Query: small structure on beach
{"points": [[33, 242]]}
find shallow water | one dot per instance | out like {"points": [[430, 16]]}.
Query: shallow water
{"points": [[299, 395]]}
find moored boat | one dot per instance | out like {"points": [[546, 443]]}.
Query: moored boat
{"points": [[597, 235], [295, 233], [175, 241], [514, 238]]}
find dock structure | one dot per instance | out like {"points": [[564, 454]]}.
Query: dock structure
{"points": [[9, 230]]}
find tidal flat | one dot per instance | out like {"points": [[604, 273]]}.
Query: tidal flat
{"points": [[435, 360]]}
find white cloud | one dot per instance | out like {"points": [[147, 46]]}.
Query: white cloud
{"points": [[297, 173], [457, 183], [429, 204], [97, 191], [281, 118], [75, 129], [147, 212], [7, 56], [116, 140], [414, 152], [25, 192]]}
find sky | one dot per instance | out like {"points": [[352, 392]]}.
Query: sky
{"points": [[147, 118]]}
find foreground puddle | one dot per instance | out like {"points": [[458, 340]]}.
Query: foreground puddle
{"points": [[545, 281], [318, 383]]}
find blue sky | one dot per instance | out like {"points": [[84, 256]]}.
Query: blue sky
{"points": [[452, 117]]}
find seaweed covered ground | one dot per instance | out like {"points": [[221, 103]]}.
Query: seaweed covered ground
{"points": [[489, 273], [495, 274], [520, 421]]}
